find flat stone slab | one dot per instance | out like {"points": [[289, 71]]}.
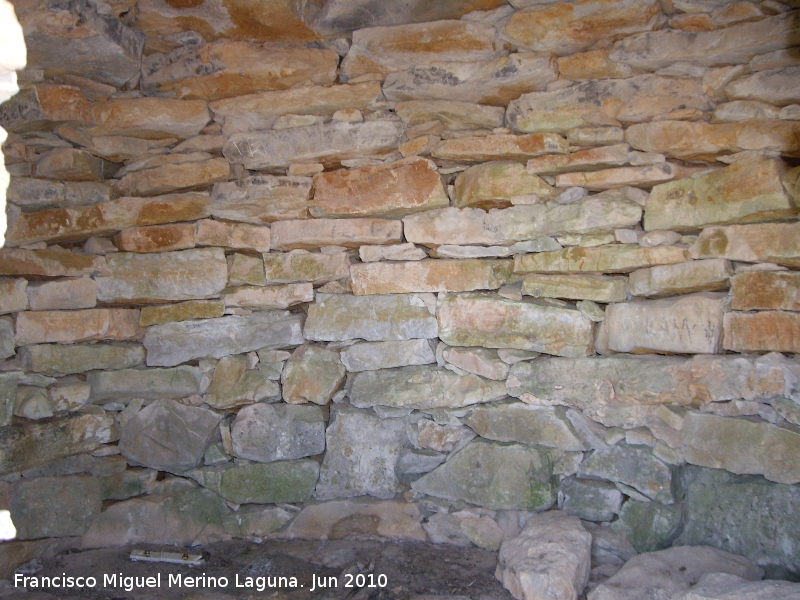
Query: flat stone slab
{"points": [[261, 199], [258, 483], [745, 331], [58, 360], [123, 384], [763, 242], [68, 326], [635, 466], [617, 258], [708, 275], [350, 233], [270, 432], [370, 356]]}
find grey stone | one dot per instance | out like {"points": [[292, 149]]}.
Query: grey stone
{"points": [[497, 476], [37, 194], [370, 356], [722, 586], [329, 144], [54, 506], [168, 436], [649, 526], [416, 462], [634, 466], [745, 515], [177, 382], [261, 199], [7, 347], [58, 360], [128, 484], [312, 374], [270, 432], [258, 483], [550, 558], [519, 422], [173, 343], [422, 387], [361, 456], [258, 521], [14, 295], [339, 317], [8, 395], [589, 500]]}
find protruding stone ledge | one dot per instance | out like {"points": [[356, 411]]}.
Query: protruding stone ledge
{"points": [[618, 258]]}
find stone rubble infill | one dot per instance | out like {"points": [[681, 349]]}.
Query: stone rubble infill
{"points": [[548, 560]]}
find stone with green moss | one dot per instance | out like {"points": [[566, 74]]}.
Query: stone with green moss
{"points": [[649, 526], [259, 483]]}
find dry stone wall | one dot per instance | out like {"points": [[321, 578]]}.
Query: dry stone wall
{"points": [[439, 264]]}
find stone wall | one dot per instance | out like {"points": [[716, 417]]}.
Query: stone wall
{"points": [[411, 272]]}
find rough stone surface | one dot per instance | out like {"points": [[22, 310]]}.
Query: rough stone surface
{"points": [[589, 500], [765, 290], [451, 114], [495, 184], [168, 436], [272, 297], [336, 317], [52, 262], [550, 558], [236, 236], [497, 476], [234, 385], [58, 360], [312, 374], [41, 327], [270, 432], [597, 288], [258, 483], [13, 295], [150, 118], [631, 465], [429, 276], [303, 266], [370, 356], [173, 343], [683, 278], [620, 258], [181, 311], [64, 294], [349, 233], [762, 331], [721, 585], [501, 146], [261, 199], [491, 322], [765, 242], [649, 526]]}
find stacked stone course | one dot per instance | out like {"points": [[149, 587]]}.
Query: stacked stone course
{"points": [[471, 264]]}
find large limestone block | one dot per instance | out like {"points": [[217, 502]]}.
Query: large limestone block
{"points": [[259, 110], [702, 141], [52, 262], [597, 288], [350, 233], [583, 160], [35, 194], [422, 387], [258, 483], [732, 45], [303, 266], [72, 164], [765, 290], [63, 294], [590, 500], [649, 526], [68, 326], [715, 586], [745, 192], [273, 21], [708, 275], [778, 87], [178, 382], [392, 190], [326, 143], [457, 115], [566, 28], [79, 40], [745, 515], [45, 104], [58, 360], [236, 236], [182, 275], [362, 451], [186, 518], [6, 337], [50, 507], [500, 146], [494, 184], [429, 276], [619, 258], [337, 317], [370, 356], [173, 178], [493, 322], [156, 238], [763, 331], [634, 100], [478, 361], [611, 389], [634, 466], [13, 295], [181, 311], [549, 559], [385, 49], [685, 325], [312, 374], [150, 118], [81, 222], [229, 68], [608, 179], [667, 573], [344, 16], [270, 432], [768, 242], [173, 343], [592, 64], [168, 436], [519, 422], [496, 476], [495, 82], [741, 446], [234, 385], [261, 199], [35, 444], [602, 213], [271, 297]]}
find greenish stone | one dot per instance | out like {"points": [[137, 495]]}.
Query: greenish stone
{"points": [[634, 466], [746, 515], [58, 359], [8, 395], [256, 521], [497, 476], [649, 526], [54, 506], [590, 500], [128, 484], [788, 409], [178, 382], [258, 483]]}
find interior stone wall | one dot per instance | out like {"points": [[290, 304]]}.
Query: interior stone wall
{"points": [[407, 270]]}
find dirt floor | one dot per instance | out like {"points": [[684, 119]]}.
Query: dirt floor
{"points": [[411, 570]]}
